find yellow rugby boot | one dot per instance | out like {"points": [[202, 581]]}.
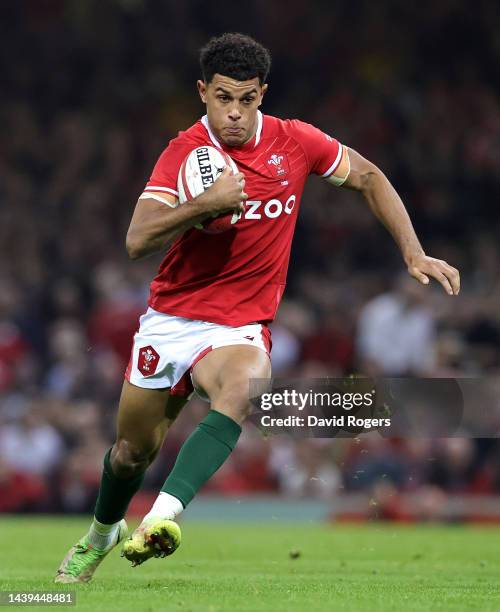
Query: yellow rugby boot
{"points": [[154, 537]]}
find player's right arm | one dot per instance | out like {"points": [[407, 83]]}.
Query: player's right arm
{"points": [[158, 219]]}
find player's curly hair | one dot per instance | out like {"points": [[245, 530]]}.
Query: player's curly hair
{"points": [[236, 56]]}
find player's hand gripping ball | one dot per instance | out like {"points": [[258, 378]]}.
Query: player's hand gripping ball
{"points": [[200, 169]]}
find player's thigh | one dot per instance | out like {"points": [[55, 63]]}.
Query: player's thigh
{"points": [[144, 415], [224, 375]]}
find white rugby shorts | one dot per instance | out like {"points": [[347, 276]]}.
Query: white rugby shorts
{"points": [[166, 348]]}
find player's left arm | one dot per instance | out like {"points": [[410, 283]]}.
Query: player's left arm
{"points": [[357, 173]]}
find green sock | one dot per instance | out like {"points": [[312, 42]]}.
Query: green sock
{"points": [[114, 494], [201, 455]]}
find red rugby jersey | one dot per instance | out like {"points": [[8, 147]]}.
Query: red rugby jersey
{"points": [[238, 276]]}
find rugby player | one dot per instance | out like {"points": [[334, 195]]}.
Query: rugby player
{"points": [[210, 304]]}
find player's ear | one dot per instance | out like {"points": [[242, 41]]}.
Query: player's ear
{"points": [[263, 90], [202, 90]]}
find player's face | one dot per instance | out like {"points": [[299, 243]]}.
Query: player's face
{"points": [[232, 107]]}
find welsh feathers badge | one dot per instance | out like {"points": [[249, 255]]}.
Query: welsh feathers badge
{"points": [[148, 360], [278, 165]]}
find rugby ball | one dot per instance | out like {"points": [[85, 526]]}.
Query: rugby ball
{"points": [[199, 170]]}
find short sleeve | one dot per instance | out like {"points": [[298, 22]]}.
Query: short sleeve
{"points": [[323, 152], [166, 170]]}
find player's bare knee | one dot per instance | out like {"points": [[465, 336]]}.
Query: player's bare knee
{"points": [[128, 460], [233, 400], [244, 410]]}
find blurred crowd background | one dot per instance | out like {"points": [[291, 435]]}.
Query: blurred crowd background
{"points": [[92, 92]]}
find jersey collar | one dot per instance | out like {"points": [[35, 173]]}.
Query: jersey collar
{"points": [[251, 144]]}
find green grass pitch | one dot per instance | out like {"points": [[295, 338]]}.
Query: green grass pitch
{"points": [[249, 567]]}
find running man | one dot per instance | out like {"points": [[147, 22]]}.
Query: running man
{"points": [[214, 295]]}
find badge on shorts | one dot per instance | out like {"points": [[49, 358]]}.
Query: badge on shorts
{"points": [[148, 360]]}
